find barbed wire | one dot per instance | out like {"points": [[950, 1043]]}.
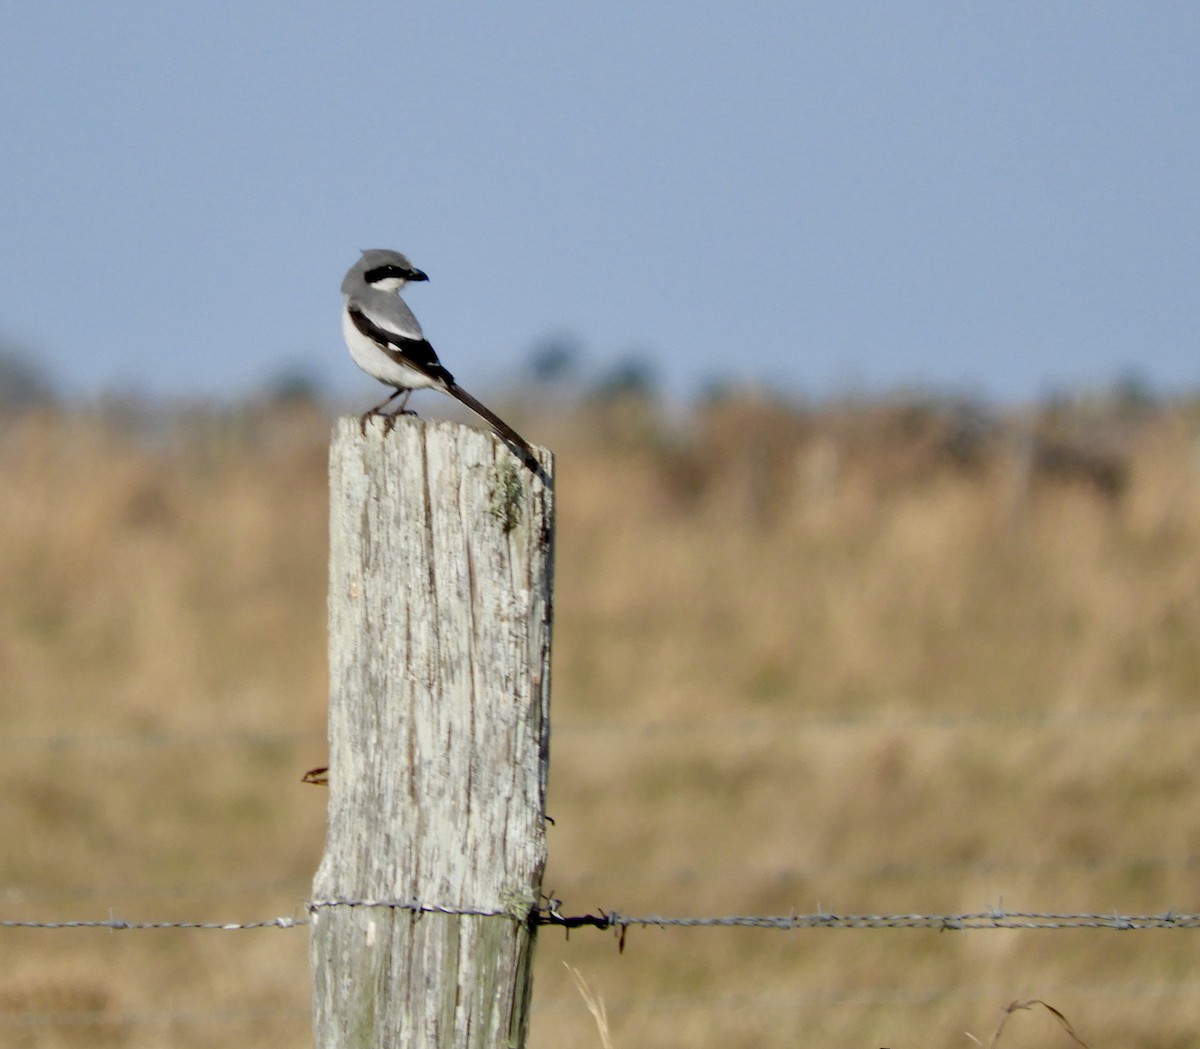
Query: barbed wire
{"points": [[942, 922], [1040, 718], [550, 914], [416, 907], [121, 924]]}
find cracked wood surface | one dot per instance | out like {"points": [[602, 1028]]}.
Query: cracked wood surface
{"points": [[440, 602]]}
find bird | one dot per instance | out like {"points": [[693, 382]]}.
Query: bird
{"points": [[386, 341]]}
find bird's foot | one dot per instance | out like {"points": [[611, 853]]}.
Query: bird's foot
{"points": [[389, 420]]}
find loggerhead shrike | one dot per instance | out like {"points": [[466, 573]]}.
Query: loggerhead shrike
{"points": [[386, 342]]}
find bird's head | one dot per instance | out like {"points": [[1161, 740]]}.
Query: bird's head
{"points": [[383, 269]]}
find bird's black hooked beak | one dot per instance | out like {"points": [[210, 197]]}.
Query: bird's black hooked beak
{"points": [[416, 275]]}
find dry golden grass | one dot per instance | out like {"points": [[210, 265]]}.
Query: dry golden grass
{"points": [[887, 679]]}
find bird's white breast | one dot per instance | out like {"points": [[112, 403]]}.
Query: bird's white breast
{"points": [[371, 359]]}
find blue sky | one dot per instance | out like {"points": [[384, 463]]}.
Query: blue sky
{"points": [[998, 199]]}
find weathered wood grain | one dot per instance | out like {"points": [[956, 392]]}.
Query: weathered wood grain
{"points": [[440, 590]]}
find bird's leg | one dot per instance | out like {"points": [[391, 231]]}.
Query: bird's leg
{"points": [[389, 420], [400, 409], [362, 419]]}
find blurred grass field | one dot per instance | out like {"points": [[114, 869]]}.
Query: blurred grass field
{"points": [[855, 659]]}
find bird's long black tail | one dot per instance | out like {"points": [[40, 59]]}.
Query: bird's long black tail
{"points": [[505, 432]]}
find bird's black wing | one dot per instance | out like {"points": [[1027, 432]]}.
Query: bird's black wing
{"points": [[415, 353]]}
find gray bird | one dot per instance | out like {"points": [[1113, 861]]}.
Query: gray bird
{"points": [[385, 340]]}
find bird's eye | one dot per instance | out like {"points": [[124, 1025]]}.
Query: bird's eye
{"points": [[374, 276]]}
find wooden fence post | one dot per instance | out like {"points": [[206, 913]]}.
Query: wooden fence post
{"points": [[440, 586]]}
